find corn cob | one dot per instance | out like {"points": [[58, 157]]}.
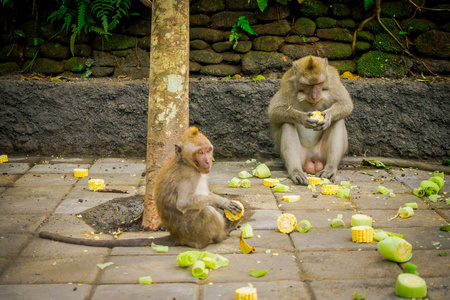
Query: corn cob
{"points": [[362, 234], [80, 173], [286, 223], [329, 189], [314, 180], [3, 158], [246, 293], [317, 115], [270, 182], [291, 198], [234, 217], [96, 184]]}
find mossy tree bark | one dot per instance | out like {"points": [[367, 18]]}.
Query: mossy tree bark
{"points": [[168, 105]]}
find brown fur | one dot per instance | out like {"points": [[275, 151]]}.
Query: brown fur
{"points": [[304, 143]]}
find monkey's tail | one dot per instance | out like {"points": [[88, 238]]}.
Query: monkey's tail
{"points": [[165, 241]]}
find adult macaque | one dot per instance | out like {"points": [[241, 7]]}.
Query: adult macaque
{"points": [[193, 216], [305, 144]]}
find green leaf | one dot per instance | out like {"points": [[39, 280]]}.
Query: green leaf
{"points": [[262, 4], [283, 2], [257, 274], [368, 4], [402, 32], [355, 294], [35, 41], [19, 33], [86, 74], [375, 163], [259, 77], [77, 68], [446, 162]]}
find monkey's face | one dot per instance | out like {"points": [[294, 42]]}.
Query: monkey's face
{"points": [[202, 158], [313, 93]]}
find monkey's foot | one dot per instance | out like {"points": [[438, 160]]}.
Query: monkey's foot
{"points": [[299, 177], [329, 173]]}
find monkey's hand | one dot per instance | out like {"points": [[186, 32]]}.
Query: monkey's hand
{"points": [[308, 122], [299, 177], [322, 125], [232, 206]]}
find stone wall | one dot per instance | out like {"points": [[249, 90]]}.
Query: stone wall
{"points": [[284, 33], [109, 118]]}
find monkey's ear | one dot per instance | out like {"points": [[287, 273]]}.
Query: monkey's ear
{"points": [[294, 67], [178, 150], [325, 60]]}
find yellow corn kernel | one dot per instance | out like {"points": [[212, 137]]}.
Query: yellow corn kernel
{"points": [[246, 293], [96, 184], [329, 189], [3, 158], [270, 182], [362, 234], [314, 180], [317, 115], [291, 198], [80, 173], [286, 223], [234, 217]]}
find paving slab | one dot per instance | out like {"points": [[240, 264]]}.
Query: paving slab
{"points": [[255, 189], [445, 214], [279, 267], [31, 179], [14, 168], [71, 160], [265, 290], [45, 291], [421, 218], [329, 265], [322, 218], [413, 178], [75, 269], [4, 262], [430, 264], [112, 179], [264, 219], [31, 200], [118, 166], [8, 180], [20, 223], [336, 239], [424, 238], [162, 269], [2, 189], [66, 224], [59, 168], [12, 244], [178, 291], [366, 201], [39, 247], [308, 202]]}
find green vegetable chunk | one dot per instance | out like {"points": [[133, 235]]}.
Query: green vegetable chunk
{"points": [[303, 226], [410, 286], [199, 269], [145, 280], [261, 171], [245, 175], [247, 231], [257, 274], [395, 249]]}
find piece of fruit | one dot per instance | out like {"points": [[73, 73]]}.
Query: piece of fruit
{"points": [[361, 220], [234, 217], [317, 115], [96, 184], [410, 286], [80, 173], [246, 293], [286, 223], [362, 234], [270, 182], [3, 158], [245, 248], [329, 189], [395, 249], [314, 180], [291, 198]]}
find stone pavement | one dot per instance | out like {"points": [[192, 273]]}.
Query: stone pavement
{"points": [[41, 194]]}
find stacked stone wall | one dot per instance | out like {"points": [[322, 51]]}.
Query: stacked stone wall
{"points": [[283, 34]]}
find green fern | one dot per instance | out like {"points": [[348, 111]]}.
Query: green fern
{"points": [[99, 16]]}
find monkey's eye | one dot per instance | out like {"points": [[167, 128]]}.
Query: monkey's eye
{"points": [[200, 152], [208, 150]]}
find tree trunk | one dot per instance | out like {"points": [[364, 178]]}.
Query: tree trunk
{"points": [[168, 105]]}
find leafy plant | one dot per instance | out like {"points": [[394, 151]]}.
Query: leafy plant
{"points": [[88, 71], [302, 37], [367, 4], [262, 4], [259, 77], [7, 2], [243, 24], [99, 16]]}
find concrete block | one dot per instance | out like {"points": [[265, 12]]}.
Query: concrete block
{"points": [[45, 291], [178, 291], [19, 223], [31, 179], [14, 168]]}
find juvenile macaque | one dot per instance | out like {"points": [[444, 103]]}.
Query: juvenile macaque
{"points": [[193, 216], [307, 145]]}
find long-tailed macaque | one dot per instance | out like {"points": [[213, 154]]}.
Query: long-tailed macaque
{"points": [[305, 144], [193, 216]]}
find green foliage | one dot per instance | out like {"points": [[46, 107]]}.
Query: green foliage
{"points": [[262, 4], [7, 2], [99, 16], [259, 77], [88, 71], [367, 4], [243, 24]]}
